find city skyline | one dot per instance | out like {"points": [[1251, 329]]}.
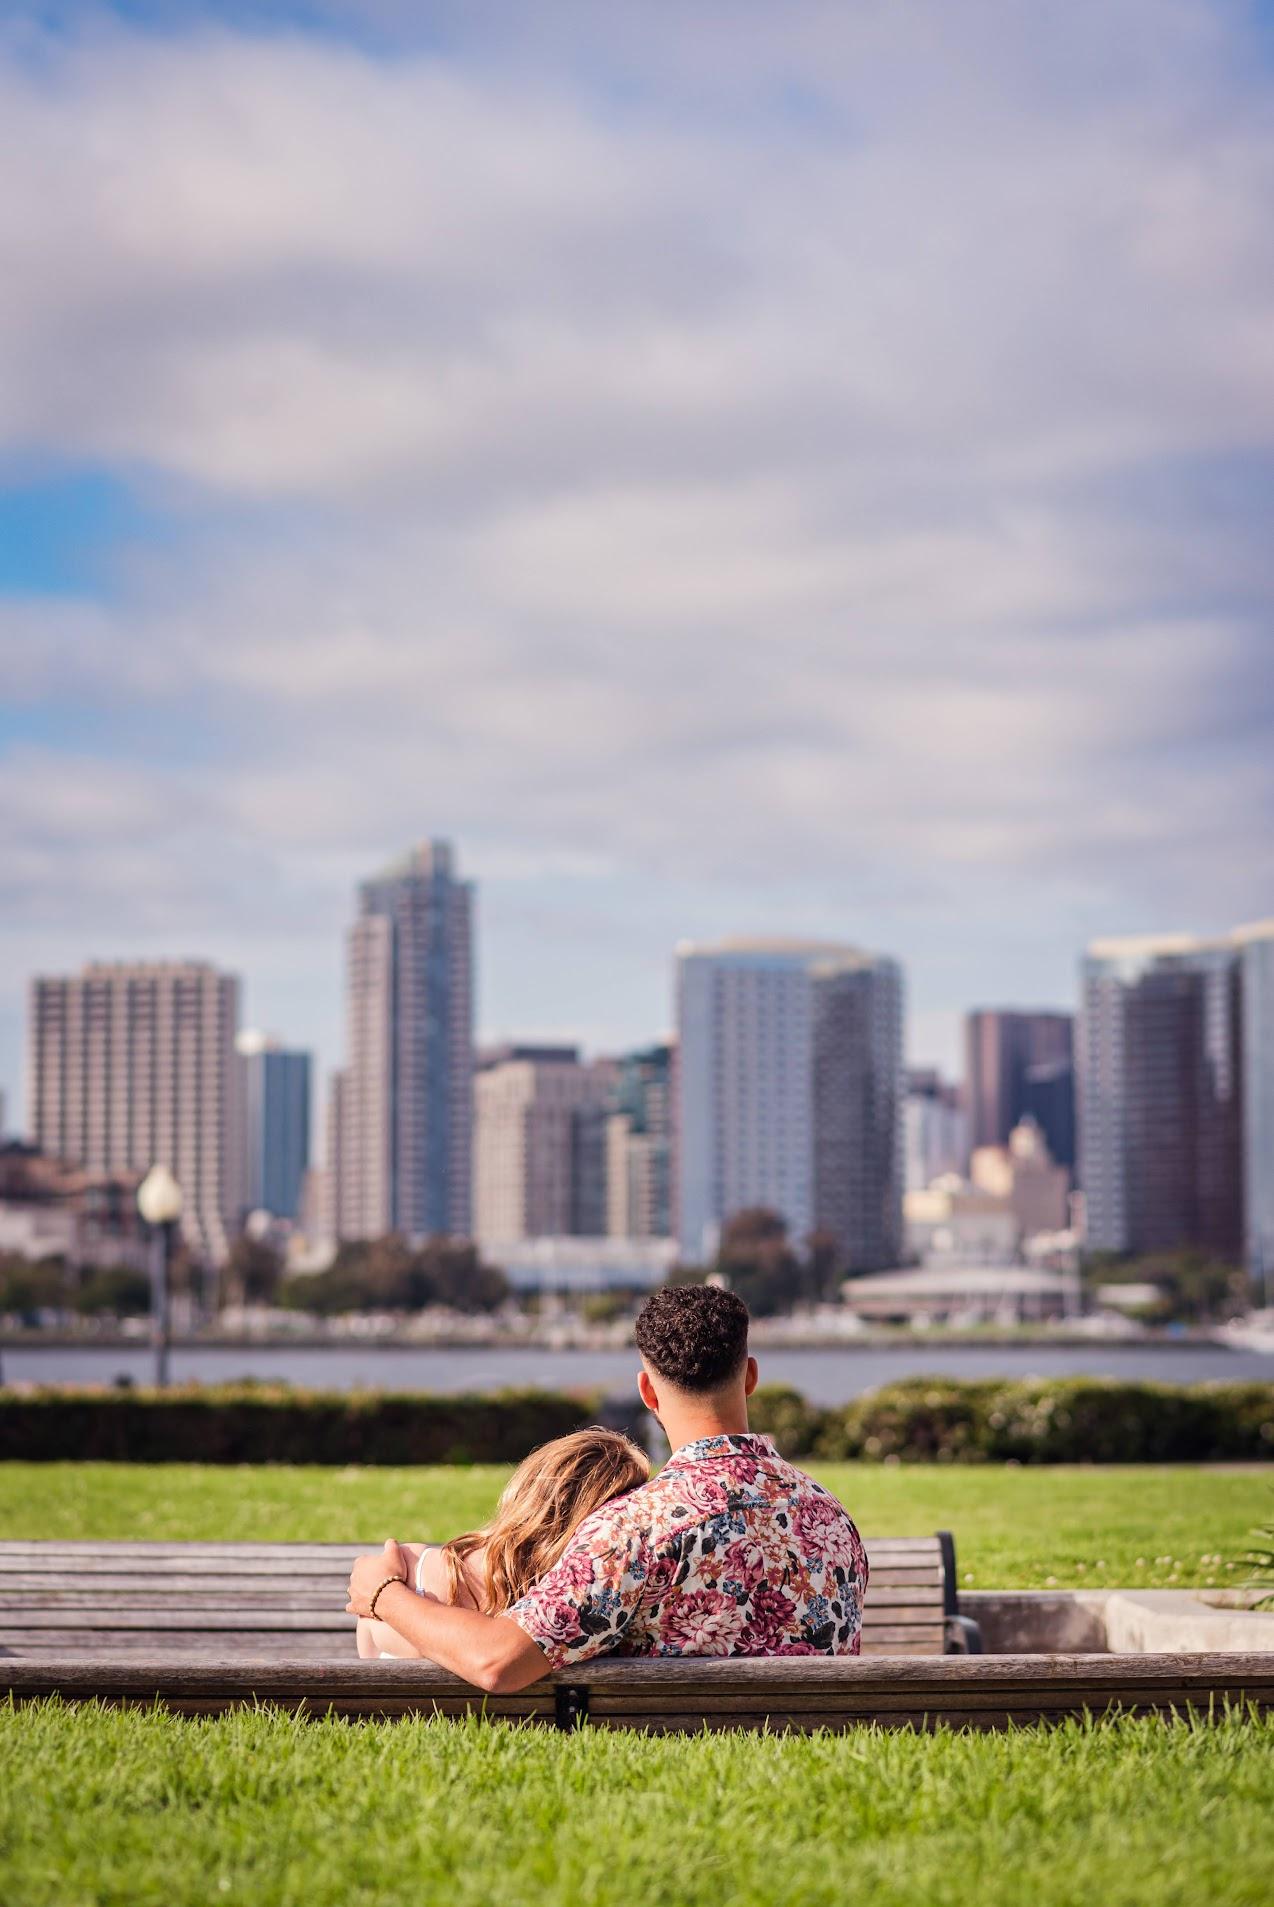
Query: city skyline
{"points": [[935, 1038], [801, 470], [952, 1067], [787, 1090]]}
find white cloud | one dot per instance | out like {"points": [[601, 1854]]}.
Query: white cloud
{"points": [[722, 461]]}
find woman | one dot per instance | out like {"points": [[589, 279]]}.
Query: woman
{"points": [[542, 1505]]}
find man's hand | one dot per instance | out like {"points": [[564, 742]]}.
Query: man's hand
{"points": [[369, 1572]]}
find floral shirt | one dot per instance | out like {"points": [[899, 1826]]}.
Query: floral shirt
{"points": [[728, 1551]]}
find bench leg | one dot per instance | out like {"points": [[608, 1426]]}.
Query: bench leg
{"points": [[570, 1706]]}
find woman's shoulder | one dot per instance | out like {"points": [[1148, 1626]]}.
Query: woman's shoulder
{"points": [[433, 1578]]}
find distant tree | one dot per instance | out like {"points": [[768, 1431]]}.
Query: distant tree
{"points": [[1194, 1288], [758, 1262], [354, 1281], [606, 1307], [385, 1274], [388, 1274], [254, 1271], [824, 1266], [29, 1285], [114, 1291], [450, 1272], [688, 1275]]}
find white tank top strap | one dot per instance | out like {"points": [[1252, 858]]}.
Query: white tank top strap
{"points": [[429, 1548]]}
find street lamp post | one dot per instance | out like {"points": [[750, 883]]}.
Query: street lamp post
{"points": [[159, 1201]]}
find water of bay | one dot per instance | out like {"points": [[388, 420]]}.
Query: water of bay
{"points": [[826, 1375]]}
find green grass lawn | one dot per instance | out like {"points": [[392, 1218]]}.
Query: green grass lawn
{"points": [[1015, 1528], [136, 1808], [141, 1808]]}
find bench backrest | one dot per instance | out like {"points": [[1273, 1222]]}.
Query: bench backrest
{"points": [[274, 1601]]}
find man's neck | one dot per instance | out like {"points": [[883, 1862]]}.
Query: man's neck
{"points": [[683, 1426]]}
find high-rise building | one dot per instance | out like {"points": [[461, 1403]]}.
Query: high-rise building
{"points": [[790, 1093], [1256, 955], [539, 1145], [639, 1146], [274, 1085], [1020, 1065], [1161, 1083], [936, 1127], [132, 1065], [406, 1099]]}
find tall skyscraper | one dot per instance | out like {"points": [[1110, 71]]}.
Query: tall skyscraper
{"points": [[790, 1093], [1020, 1065], [406, 1100], [1256, 955], [133, 1065], [1161, 1084], [275, 1096], [539, 1158]]}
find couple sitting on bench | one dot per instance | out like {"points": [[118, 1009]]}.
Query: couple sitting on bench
{"points": [[728, 1551]]}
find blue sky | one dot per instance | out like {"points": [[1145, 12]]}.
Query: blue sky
{"points": [[731, 468]]}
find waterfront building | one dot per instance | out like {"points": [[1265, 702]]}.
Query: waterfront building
{"points": [[539, 1145], [1161, 1112], [558, 1267], [274, 1086], [406, 1096], [965, 1295], [132, 1064], [954, 1223], [936, 1128], [790, 1093], [1023, 1173], [1020, 1064]]}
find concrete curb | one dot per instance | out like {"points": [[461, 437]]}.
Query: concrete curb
{"points": [[1115, 1621]]}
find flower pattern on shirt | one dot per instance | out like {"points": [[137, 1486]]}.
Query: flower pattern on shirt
{"points": [[730, 1550]]}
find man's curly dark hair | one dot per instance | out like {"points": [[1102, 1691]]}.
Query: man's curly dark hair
{"points": [[696, 1336]]}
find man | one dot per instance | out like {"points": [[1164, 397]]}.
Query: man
{"points": [[728, 1551]]}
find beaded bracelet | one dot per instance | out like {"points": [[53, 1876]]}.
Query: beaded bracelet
{"points": [[371, 1607]]}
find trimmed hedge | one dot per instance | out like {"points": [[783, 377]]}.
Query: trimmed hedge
{"points": [[1062, 1420], [924, 1420], [276, 1424]]}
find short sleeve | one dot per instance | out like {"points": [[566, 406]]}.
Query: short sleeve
{"points": [[590, 1599]]}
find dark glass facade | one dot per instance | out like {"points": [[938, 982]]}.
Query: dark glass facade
{"points": [[1020, 1064]]}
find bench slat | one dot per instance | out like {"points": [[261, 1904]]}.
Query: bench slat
{"points": [[265, 1645], [18, 1547], [308, 1621], [194, 1594], [312, 1620]]}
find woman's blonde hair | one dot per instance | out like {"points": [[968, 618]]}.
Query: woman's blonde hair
{"points": [[541, 1507]]}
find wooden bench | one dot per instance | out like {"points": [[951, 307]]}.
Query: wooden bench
{"points": [[265, 1602], [200, 1628]]}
